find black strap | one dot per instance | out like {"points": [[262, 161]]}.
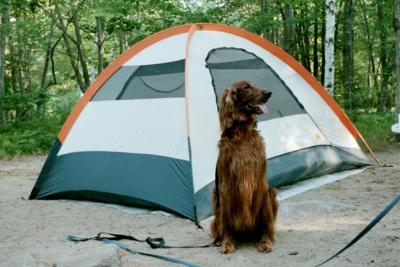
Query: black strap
{"points": [[104, 236], [161, 257], [367, 228], [153, 242]]}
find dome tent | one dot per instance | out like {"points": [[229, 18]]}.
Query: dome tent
{"points": [[145, 133]]}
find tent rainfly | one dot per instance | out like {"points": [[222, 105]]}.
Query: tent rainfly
{"points": [[145, 133]]}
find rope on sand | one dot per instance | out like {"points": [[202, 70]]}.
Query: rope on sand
{"points": [[367, 228]]}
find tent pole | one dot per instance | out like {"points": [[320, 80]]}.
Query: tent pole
{"points": [[193, 28], [369, 149]]}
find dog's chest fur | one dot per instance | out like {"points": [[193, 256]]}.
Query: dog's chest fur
{"points": [[242, 163]]}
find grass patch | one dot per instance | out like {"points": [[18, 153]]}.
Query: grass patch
{"points": [[375, 127], [30, 137], [37, 134]]}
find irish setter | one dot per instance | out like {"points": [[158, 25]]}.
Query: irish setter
{"points": [[245, 207]]}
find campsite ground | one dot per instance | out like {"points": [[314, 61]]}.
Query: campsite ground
{"points": [[311, 226]]}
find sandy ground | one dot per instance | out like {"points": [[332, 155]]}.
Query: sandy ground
{"points": [[311, 226]]}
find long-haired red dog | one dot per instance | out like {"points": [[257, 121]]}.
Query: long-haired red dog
{"points": [[244, 204]]}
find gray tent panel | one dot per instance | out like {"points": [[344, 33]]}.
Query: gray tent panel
{"points": [[164, 80], [224, 55], [113, 86], [228, 65]]}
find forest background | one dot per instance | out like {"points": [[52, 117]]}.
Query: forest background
{"points": [[51, 50]]}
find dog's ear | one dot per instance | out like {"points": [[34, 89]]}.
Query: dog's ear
{"points": [[226, 110], [242, 84], [228, 98]]}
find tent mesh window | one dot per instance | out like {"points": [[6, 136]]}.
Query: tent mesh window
{"points": [[144, 82], [228, 65]]}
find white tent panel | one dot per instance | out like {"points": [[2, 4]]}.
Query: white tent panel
{"points": [[150, 126], [170, 49], [290, 133], [203, 114]]}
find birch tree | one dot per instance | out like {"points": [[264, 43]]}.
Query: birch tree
{"points": [[330, 10]]}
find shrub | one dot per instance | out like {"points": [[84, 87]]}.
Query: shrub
{"points": [[37, 133], [375, 127]]}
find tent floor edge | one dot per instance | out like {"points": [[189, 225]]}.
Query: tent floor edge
{"points": [[113, 199]]}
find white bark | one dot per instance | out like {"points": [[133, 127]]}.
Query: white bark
{"points": [[330, 10]]}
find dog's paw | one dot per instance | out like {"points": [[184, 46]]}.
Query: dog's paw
{"points": [[227, 247], [264, 246]]}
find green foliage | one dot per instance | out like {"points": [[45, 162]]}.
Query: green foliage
{"points": [[29, 137], [375, 127], [37, 134]]}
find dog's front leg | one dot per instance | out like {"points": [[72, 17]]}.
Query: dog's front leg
{"points": [[216, 229], [267, 236], [219, 231], [228, 243], [268, 217]]}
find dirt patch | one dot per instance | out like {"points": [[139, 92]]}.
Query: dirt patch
{"points": [[311, 226]]}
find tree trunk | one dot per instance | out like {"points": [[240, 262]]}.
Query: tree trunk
{"points": [[369, 42], [43, 83], [397, 29], [306, 38], [383, 58], [13, 62], [299, 55], [289, 29], [81, 52], [4, 22], [26, 66], [99, 43], [70, 53], [315, 50], [329, 66], [19, 56], [121, 41], [3, 33], [266, 7], [348, 59]]}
